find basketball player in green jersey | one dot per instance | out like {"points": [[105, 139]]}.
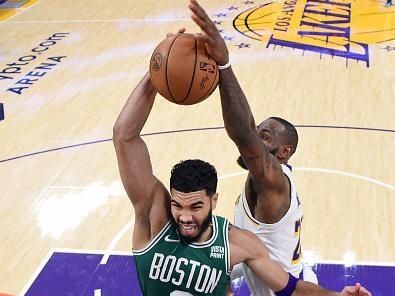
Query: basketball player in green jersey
{"points": [[180, 248]]}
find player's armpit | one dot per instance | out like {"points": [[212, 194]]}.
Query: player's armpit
{"points": [[264, 168], [248, 248]]}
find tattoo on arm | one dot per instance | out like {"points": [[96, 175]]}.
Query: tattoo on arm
{"points": [[236, 111]]}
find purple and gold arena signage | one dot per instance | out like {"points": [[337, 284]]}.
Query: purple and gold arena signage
{"points": [[339, 28]]}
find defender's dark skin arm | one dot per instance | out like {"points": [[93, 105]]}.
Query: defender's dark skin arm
{"points": [[266, 173], [238, 118], [267, 188], [240, 123]]}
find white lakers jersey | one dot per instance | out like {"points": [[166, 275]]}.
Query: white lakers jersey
{"points": [[282, 238]]}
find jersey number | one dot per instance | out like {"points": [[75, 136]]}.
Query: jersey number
{"points": [[298, 249]]}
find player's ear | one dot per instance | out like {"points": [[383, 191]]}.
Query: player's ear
{"points": [[214, 199], [285, 152]]}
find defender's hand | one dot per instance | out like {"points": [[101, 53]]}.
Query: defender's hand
{"points": [[215, 45]]}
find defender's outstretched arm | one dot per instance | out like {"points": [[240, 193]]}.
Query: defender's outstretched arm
{"points": [[238, 118]]}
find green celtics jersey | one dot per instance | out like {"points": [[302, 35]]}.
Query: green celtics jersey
{"points": [[170, 267]]}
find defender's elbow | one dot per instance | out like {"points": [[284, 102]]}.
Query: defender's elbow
{"points": [[243, 132], [243, 138]]}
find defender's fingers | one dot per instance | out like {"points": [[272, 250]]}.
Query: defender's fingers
{"points": [[208, 29], [203, 38], [199, 11], [201, 23]]}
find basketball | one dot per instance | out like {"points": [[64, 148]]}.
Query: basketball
{"points": [[182, 71]]}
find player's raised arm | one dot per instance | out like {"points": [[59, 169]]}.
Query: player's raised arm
{"points": [[239, 121], [246, 247], [134, 163]]}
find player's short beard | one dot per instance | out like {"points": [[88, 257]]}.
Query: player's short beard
{"points": [[203, 227]]}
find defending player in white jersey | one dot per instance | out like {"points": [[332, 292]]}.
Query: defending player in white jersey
{"points": [[281, 238], [268, 206]]}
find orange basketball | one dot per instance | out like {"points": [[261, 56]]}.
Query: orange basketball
{"points": [[182, 71]]}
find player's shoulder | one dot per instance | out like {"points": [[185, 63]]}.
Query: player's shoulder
{"points": [[238, 235], [245, 245]]}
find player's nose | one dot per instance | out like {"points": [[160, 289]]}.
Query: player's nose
{"points": [[185, 217]]}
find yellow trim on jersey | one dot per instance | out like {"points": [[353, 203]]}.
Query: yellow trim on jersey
{"points": [[293, 262]]}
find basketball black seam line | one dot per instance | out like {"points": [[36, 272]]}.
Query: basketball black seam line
{"points": [[167, 61], [193, 73]]}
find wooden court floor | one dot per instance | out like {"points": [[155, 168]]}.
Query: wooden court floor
{"points": [[67, 67]]}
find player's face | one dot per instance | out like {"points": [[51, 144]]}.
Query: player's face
{"points": [[192, 213], [270, 133]]}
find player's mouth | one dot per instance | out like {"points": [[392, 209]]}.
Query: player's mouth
{"points": [[187, 229]]}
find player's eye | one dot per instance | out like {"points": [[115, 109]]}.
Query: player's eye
{"points": [[176, 205]]}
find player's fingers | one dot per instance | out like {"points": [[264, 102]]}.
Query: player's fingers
{"points": [[204, 38], [202, 24], [202, 19], [364, 292], [181, 30], [199, 11], [350, 290], [208, 29]]}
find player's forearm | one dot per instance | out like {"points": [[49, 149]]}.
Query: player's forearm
{"points": [[136, 110], [304, 288], [238, 118]]}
